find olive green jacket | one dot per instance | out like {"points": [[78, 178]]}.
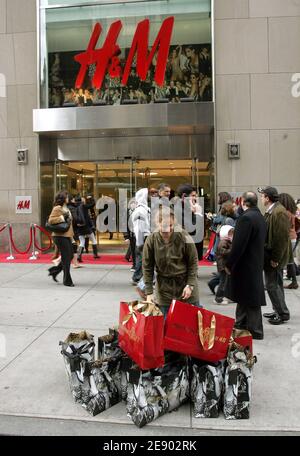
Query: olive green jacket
{"points": [[176, 265], [278, 244]]}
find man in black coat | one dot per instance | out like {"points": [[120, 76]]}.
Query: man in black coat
{"points": [[245, 264]]}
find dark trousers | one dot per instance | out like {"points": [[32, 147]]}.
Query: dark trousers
{"points": [[131, 251], [64, 244], [199, 248], [249, 318], [221, 288], [128, 253], [274, 286], [138, 274], [132, 247], [291, 272]]}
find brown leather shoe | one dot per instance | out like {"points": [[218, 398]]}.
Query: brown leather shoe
{"points": [[292, 286]]}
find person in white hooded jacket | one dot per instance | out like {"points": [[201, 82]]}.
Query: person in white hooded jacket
{"points": [[140, 219]]}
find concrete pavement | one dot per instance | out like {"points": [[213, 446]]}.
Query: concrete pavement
{"points": [[36, 313]]}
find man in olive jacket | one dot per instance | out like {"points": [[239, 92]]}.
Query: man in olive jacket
{"points": [[173, 255], [277, 253]]}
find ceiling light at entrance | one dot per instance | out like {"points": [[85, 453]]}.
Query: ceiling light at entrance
{"points": [[148, 174]]}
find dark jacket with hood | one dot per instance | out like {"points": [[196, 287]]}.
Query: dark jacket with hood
{"points": [[73, 208], [85, 225]]}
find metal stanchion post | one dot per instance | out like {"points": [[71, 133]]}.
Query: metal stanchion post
{"points": [[33, 240], [33, 256], [10, 257]]}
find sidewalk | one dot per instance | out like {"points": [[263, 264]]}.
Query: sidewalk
{"points": [[36, 313]]}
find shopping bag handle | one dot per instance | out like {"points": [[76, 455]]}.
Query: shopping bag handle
{"points": [[135, 308], [207, 335]]}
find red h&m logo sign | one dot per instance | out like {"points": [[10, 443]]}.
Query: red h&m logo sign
{"points": [[106, 58], [23, 204]]}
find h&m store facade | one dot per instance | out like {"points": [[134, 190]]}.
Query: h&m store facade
{"points": [[112, 118], [126, 97]]}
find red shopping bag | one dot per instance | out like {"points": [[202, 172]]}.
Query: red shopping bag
{"points": [[197, 332], [244, 338], [141, 334]]}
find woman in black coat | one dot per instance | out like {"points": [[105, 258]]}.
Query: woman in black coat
{"points": [[85, 228], [245, 264]]}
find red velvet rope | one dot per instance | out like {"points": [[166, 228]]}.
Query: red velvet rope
{"points": [[13, 244], [3, 228], [41, 249]]}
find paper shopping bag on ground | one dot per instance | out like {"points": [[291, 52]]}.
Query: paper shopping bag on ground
{"points": [[197, 332], [105, 380], [78, 351], [238, 383], [156, 392], [141, 333], [206, 388]]}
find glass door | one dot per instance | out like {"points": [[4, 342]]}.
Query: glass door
{"points": [[75, 177], [115, 178], [172, 172]]}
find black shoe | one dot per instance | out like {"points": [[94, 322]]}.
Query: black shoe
{"points": [[53, 273], [69, 285], [276, 320], [285, 317], [95, 251], [257, 336], [292, 286], [53, 277], [79, 254], [270, 315]]}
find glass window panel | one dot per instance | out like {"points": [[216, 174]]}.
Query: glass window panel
{"points": [[66, 32]]}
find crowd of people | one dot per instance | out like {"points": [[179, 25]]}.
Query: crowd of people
{"points": [[250, 247], [251, 250]]}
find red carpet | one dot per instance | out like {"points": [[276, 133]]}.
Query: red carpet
{"points": [[87, 259]]}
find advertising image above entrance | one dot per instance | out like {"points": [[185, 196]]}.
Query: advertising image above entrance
{"points": [[155, 52]]}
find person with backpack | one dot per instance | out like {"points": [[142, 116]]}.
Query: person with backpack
{"points": [[85, 228], [91, 203], [226, 216]]}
